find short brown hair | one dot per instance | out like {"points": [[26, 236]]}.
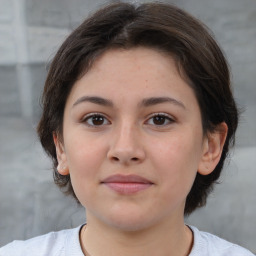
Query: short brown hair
{"points": [[157, 26]]}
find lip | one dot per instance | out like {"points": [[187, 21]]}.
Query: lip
{"points": [[127, 184]]}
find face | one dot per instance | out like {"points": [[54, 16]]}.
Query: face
{"points": [[132, 139]]}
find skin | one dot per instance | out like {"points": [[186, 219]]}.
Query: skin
{"points": [[125, 138]]}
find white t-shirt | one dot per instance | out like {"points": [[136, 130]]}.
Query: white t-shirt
{"points": [[66, 243]]}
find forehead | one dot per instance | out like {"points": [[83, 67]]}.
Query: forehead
{"points": [[137, 72], [136, 58]]}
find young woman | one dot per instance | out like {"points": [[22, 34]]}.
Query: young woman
{"points": [[138, 117]]}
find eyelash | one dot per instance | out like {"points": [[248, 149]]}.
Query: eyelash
{"points": [[107, 122], [161, 115], [94, 115]]}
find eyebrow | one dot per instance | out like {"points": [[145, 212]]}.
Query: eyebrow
{"points": [[159, 100], [94, 99], [145, 102]]}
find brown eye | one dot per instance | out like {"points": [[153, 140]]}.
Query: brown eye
{"points": [[96, 120], [160, 120]]}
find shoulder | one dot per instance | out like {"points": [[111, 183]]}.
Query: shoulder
{"points": [[211, 245], [51, 244]]}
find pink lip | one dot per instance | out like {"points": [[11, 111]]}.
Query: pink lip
{"points": [[127, 184]]}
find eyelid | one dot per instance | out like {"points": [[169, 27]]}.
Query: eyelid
{"points": [[167, 116], [91, 114], [161, 114]]}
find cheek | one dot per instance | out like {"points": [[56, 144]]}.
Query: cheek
{"points": [[176, 160], [179, 150], [84, 161], [83, 152]]}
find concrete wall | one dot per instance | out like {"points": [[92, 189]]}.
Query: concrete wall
{"points": [[30, 33]]}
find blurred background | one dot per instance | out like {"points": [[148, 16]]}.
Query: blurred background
{"points": [[30, 33]]}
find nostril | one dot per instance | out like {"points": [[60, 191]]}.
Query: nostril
{"points": [[115, 159], [135, 159]]}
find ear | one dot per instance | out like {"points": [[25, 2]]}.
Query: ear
{"points": [[212, 149], [62, 167]]}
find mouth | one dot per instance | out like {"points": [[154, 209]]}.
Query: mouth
{"points": [[127, 184]]}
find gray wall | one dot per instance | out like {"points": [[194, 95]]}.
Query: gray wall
{"points": [[30, 33]]}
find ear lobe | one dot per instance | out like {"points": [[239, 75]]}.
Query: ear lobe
{"points": [[62, 167], [212, 149]]}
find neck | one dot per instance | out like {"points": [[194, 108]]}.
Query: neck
{"points": [[168, 238]]}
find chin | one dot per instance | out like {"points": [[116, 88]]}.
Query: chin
{"points": [[130, 226], [130, 223]]}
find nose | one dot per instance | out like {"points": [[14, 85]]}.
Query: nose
{"points": [[126, 146]]}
